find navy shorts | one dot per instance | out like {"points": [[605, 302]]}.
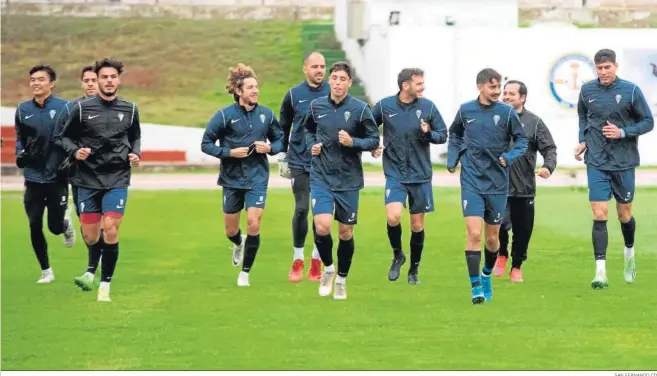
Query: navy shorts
{"points": [[92, 202], [420, 195], [490, 207], [602, 184], [342, 205], [237, 199]]}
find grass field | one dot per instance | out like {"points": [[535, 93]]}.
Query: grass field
{"points": [[176, 305], [175, 69]]}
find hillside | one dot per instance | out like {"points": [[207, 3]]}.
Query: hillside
{"points": [[175, 69]]}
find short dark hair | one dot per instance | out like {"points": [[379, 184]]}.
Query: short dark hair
{"points": [[44, 68], [108, 62], [87, 68], [604, 56], [522, 88], [488, 75], [341, 66], [407, 74]]}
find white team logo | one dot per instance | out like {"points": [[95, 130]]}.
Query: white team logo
{"points": [[387, 192], [313, 202], [352, 218], [52, 113], [496, 119], [418, 113], [465, 204], [347, 114], [120, 205], [618, 98], [224, 200], [120, 116], [523, 124], [262, 118], [292, 182], [499, 218], [82, 207]]}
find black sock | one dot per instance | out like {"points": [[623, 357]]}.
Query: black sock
{"points": [[395, 237], [473, 259], [237, 238], [251, 246], [628, 232], [40, 246], [110, 257], [600, 240], [324, 245], [516, 263], [345, 254], [95, 251], [417, 244], [489, 261]]}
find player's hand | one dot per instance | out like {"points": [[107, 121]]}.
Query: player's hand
{"points": [[502, 161], [579, 150], [345, 139], [239, 152], [316, 149], [424, 126], [82, 154], [451, 170], [611, 131], [543, 172], [134, 160], [376, 153], [262, 147]]}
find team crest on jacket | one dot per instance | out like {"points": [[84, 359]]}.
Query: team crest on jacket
{"points": [[52, 114], [120, 116], [262, 118], [347, 114], [418, 113], [496, 119], [618, 98]]}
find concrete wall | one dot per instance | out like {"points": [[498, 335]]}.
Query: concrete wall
{"points": [[539, 56]]}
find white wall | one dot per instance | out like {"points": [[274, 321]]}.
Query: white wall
{"points": [[452, 56]]}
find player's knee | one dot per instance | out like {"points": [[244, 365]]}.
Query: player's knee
{"points": [[322, 227], [301, 212], [492, 242], [393, 217], [600, 212], [111, 233], [417, 223], [301, 207], [345, 232], [474, 234], [253, 225], [624, 214], [56, 228]]}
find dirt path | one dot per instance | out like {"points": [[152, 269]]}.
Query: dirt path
{"points": [[174, 181]]}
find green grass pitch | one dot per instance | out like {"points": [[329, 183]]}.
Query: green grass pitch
{"points": [[176, 304]]}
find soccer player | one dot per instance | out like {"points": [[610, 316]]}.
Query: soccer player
{"points": [[243, 129], [522, 182], [45, 185], [339, 128], [411, 124], [297, 156], [89, 85], [613, 113], [104, 135], [479, 138]]}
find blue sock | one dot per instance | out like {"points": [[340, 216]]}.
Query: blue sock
{"points": [[475, 281], [486, 271]]}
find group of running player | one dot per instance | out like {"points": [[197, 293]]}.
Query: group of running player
{"points": [[319, 137]]}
